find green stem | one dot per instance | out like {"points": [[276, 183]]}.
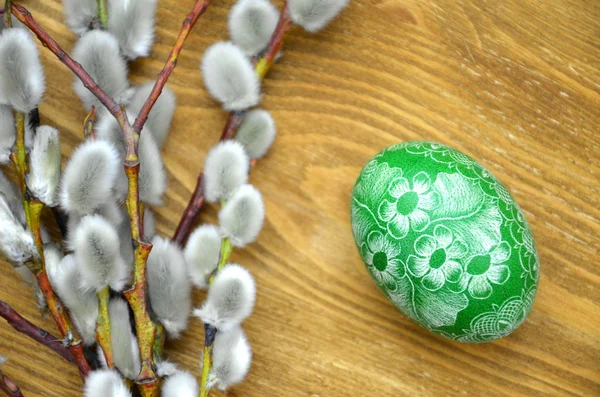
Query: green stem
{"points": [[6, 15], [103, 13], [209, 330], [103, 326]]}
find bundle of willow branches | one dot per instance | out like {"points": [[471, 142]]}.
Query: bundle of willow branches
{"points": [[116, 290]]}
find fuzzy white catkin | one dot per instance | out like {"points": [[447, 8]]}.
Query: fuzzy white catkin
{"points": [[242, 217], [152, 177], [22, 82], [161, 115], [202, 253], [12, 197], [3, 360], [105, 383], [95, 243], [256, 133], [225, 169], [132, 22], [7, 133], [230, 298], [82, 304], [80, 14], [165, 368], [89, 177], [169, 286], [180, 384], [314, 15], [98, 52], [126, 353], [16, 244], [230, 77], [44, 165], [232, 357], [251, 24]]}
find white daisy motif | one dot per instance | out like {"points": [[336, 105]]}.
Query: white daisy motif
{"points": [[437, 260], [484, 270], [381, 257], [410, 205]]}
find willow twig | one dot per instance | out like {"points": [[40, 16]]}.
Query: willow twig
{"points": [[33, 210], [262, 66], [163, 75], [29, 329], [111, 105], [8, 386]]}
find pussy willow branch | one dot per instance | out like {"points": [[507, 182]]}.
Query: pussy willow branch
{"points": [[189, 22], [31, 330], [33, 209], [111, 105], [8, 386], [137, 295], [262, 66]]}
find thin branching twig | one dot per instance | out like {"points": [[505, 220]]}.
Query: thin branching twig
{"points": [[29, 329], [262, 66]]}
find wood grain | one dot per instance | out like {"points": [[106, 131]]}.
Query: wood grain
{"points": [[515, 84]]}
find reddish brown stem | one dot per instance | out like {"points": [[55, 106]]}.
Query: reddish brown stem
{"points": [[25, 327], [197, 200], [163, 76], [113, 107], [8, 386], [262, 66]]}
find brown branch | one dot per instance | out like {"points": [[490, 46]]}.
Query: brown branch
{"points": [[262, 66], [8, 386], [113, 107], [163, 75], [41, 336]]}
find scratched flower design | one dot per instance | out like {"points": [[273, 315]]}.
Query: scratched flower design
{"points": [[408, 208], [381, 256], [437, 259], [484, 271]]}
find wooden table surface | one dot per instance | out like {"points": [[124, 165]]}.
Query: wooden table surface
{"points": [[515, 84]]}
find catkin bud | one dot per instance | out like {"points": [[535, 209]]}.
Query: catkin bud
{"points": [[313, 15], [80, 14], [126, 353], [202, 253], [180, 384], [230, 299], [256, 133], [225, 169], [98, 52], [22, 82], [251, 24], [168, 286], [229, 77], [16, 243], [105, 383], [242, 217], [132, 22], [89, 177], [7, 133], [231, 358], [96, 247], [82, 303], [44, 165]]}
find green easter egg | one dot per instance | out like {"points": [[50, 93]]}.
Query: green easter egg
{"points": [[445, 241]]}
